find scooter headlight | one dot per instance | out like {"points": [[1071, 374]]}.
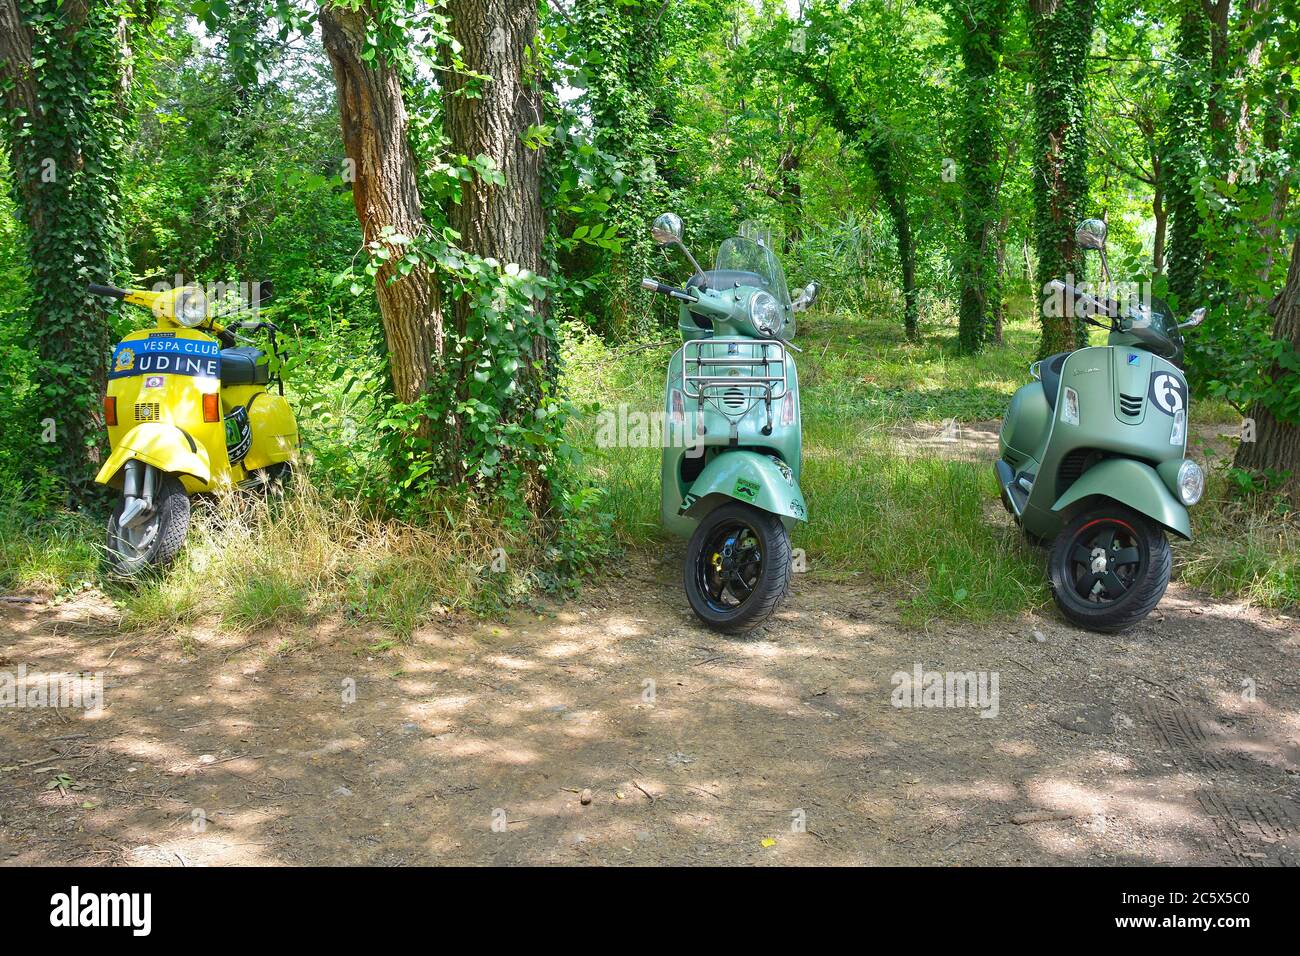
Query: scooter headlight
{"points": [[765, 314], [191, 308], [1191, 482]]}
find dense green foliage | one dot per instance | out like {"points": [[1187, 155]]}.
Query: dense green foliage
{"points": [[925, 160]]}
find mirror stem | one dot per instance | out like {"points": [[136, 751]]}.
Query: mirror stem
{"points": [[694, 265]]}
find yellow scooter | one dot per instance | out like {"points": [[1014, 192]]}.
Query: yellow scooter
{"points": [[188, 411]]}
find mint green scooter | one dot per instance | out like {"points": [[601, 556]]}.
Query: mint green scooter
{"points": [[733, 442], [1093, 456]]}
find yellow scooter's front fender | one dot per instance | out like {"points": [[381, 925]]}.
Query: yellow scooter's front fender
{"points": [[165, 447]]}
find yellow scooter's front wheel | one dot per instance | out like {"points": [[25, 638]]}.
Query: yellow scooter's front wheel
{"points": [[154, 539]]}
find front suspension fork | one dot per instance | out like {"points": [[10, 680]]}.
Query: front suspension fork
{"points": [[140, 482]]}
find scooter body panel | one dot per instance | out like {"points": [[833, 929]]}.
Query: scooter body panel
{"points": [[764, 481], [1025, 425], [273, 429], [159, 377], [1134, 484], [704, 465], [1125, 401]]}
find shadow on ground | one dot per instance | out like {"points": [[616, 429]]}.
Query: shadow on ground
{"points": [[1174, 744]]}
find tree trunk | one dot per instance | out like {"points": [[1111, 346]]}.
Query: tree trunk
{"points": [[1185, 141], [1000, 303], [385, 192], [1276, 447], [1270, 228], [491, 118], [978, 28], [62, 97], [628, 103], [1158, 242], [880, 158], [1061, 35]]}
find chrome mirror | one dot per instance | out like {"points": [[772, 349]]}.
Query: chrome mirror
{"points": [[667, 229], [1193, 320], [1091, 234], [807, 296]]}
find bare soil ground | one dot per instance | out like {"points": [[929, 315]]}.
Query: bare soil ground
{"points": [[1178, 743], [481, 743]]}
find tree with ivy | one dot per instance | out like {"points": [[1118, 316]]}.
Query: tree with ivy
{"points": [[977, 29], [1060, 33], [619, 47], [1186, 141], [381, 167], [65, 73], [868, 85]]}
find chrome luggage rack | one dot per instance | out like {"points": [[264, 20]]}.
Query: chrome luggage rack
{"points": [[721, 372]]}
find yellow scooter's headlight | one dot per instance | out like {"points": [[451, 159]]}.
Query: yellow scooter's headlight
{"points": [[191, 307]]}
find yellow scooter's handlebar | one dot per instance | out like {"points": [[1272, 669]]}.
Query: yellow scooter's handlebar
{"points": [[185, 306]]}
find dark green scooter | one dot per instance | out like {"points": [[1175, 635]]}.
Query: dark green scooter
{"points": [[1093, 456], [730, 480]]}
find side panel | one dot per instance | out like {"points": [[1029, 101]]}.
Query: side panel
{"points": [[1135, 485], [1109, 383], [275, 433], [1026, 424]]}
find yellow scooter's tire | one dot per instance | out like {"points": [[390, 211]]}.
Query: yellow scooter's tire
{"points": [[155, 544]]}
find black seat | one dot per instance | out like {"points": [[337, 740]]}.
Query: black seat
{"points": [[244, 365], [1049, 372]]}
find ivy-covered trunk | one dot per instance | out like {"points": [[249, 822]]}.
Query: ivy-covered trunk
{"points": [[500, 353], [880, 158], [622, 40], [64, 85], [1185, 148], [977, 26], [1060, 32]]}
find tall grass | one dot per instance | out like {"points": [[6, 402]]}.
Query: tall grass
{"points": [[49, 554], [1242, 548], [928, 529], [259, 561]]}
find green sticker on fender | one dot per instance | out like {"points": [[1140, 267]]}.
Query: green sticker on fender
{"points": [[746, 489]]}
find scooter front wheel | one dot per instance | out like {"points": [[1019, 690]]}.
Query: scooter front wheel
{"points": [[737, 567], [1109, 569], [154, 541]]}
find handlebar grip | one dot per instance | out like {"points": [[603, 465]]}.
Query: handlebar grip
{"points": [[652, 286], [1107, 307], [107, 290]]}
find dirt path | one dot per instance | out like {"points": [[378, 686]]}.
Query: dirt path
{"points": [[473, 744]]}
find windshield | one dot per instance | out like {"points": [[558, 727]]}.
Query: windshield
{"points": [[739, 255]]}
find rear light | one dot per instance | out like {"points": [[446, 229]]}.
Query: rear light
{"points": [[677, 409], [110, 410], [212, 407], [787, 409]]}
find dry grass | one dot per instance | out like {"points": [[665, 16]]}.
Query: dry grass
{"points": [[253, 561]]}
